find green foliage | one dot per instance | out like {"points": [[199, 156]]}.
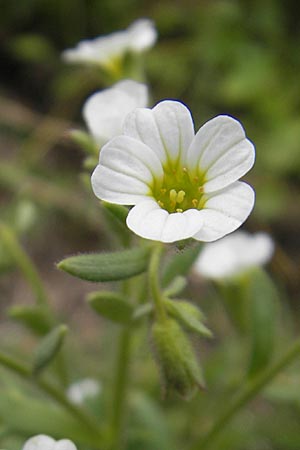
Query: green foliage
{"points": [[48, 348], [263, 309], [33, 317], [188, 315], [107, 266], [180, 263], [112, 306]]}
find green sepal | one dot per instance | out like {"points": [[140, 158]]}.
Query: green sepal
{"points": [[179, 369], [85, 141], [33, 317], [111, 305], [107, 266], [188, 315], [263, 308], [180, 263], [48, 348]]}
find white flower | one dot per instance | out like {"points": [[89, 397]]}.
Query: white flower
{"points": [[83, 389], [43, 442], [234, 255], [105, 50], [182, 185], [105, 111]]}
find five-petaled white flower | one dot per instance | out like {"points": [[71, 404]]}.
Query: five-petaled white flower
{"points": [[79, 391], [234, 255], [104, 112], [108, 50], [43, 442], [182, 185]]}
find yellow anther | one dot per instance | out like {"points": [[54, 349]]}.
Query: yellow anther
{"points": [[184, 169], [163, 191], [180, 196], [196, 179], [173, 196], [179, 210], [201, 189], [195, 202], [161, 204]]}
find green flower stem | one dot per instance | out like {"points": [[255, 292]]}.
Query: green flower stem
{"points": [[154, 282], [19, 256], [52, 391], [246, 394], [120, 387]]}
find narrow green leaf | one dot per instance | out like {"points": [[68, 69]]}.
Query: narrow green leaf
{"points": [[107, 266], [188, 315], [111, 305], [48, 348], [176, 286], [263, 301], [33, 317], [180, 263]]}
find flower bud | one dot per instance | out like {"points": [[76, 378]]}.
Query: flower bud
{"points": [[176, 360]]}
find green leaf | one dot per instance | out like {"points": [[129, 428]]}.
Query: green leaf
{"points": [[107, 266], [111, 305], [180, 263], [176, 286], [263, 301], [33, 317], [48, 348], [188, 315], [45, 417]]}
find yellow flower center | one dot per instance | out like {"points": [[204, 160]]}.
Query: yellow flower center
{"points": [[179, 190]]}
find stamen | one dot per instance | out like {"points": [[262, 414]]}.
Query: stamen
{"points": [[180, 196], [201, 189], [195, 202], [179, 210], [173, 196], [163, 191], [161, 204]]}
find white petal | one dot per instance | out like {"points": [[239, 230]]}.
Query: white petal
{"points": [[168, 129], [105, 111], [142, 35], [221, 149], [234, 254], [149, 221], [64, 444], [39, 442], [225, 211], [125, 171]]}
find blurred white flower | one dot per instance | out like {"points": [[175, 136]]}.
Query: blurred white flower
{"points": [[182, 185], [43, 442], [234, 255], [83, 389], [104, 112], [106, 50]]}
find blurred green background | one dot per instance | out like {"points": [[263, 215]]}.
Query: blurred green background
{"points": [[240, 58]]}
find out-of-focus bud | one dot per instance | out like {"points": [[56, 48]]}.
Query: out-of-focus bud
{"points": [[179, 368]]}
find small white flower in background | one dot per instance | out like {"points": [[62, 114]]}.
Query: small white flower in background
{"points": [[43, 442], [83, 389], [105, 50], [104, 112], [182, 185], [234, 255]]}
